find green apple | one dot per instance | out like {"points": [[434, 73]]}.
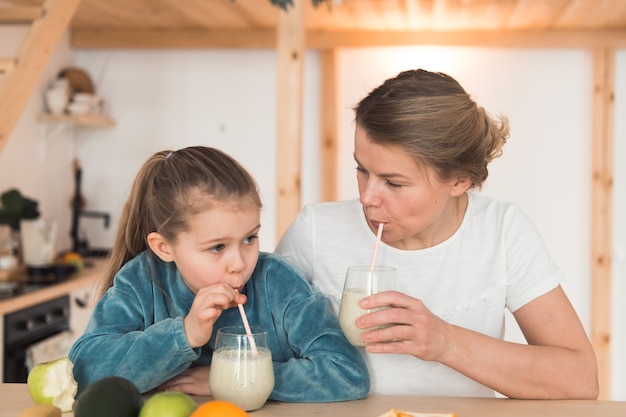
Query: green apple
{"points": [[53, 383], [168, 404]]}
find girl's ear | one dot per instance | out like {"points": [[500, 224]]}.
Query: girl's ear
{"points": [[460, 186], [160, 247]]}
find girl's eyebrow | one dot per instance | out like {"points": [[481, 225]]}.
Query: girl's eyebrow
{"points": [[254, 230]]}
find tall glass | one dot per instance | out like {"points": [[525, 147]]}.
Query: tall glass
{"points": [[241, 368], [361, 282]]}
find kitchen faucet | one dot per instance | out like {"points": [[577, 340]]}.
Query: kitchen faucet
{"points": [[81, 246]]}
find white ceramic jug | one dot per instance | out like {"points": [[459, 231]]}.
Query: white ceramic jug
{"points": [[38, 242]]}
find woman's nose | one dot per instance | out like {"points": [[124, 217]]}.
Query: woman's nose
{"points": [[368, 195]]}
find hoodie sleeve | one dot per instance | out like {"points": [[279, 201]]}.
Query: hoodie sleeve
{"points": [[318, 363], [129, 335]]}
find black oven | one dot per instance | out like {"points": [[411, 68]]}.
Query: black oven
{"points": [[29, 326]]}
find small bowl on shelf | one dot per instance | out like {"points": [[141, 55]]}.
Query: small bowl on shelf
{"points": [[79, 107]]}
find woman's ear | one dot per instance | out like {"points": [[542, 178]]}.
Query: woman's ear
{"points": [[160, 247], [460, 186]]}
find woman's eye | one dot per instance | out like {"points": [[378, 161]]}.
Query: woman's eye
{"points": [[393, 184], [361, 170], [217, 248], [250, 239]]}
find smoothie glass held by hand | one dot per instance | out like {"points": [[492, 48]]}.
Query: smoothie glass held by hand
{"points": [[241, 367], [362, 281]]}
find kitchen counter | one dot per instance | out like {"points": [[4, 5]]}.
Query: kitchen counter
{"points": [[14, 398], [89, 275]]}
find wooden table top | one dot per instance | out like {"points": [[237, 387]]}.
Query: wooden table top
{"points": [[14, 398]]}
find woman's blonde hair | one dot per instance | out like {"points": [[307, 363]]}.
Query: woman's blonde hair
{"points": [[165, 192], [432, 118]]}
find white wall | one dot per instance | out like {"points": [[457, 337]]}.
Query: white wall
{"points": [[172, 99], [47, 180]]}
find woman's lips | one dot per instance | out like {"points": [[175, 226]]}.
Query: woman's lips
{"points": [[375, 224]]}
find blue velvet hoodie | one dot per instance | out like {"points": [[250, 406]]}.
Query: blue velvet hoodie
{"points": [[136, 332]]}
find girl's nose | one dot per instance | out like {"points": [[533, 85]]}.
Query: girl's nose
{"points": [[237, 263]]}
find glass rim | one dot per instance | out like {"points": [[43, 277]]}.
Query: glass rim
{"points": [[240, 330], [376, 268]]}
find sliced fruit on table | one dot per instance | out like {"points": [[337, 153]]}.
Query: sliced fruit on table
{"points": [[53, 383]]}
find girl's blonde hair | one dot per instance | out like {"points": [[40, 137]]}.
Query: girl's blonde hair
{"points": [[431, 117], [165, 193]]}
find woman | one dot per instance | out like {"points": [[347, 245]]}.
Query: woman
{"points": [[422, 145]]}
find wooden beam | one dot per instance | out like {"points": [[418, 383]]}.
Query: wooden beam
{"points": [[290, 53], [601, 213], [266, 39], [33, 55], [330, 135], [174, 39], [495, 38], [19, 14]]}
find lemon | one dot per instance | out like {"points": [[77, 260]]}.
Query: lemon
{"points": [[53, 383], [168, 404]]}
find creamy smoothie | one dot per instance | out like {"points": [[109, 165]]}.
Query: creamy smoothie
{"points": [[360, 282], [242, 377], [349, 311]]}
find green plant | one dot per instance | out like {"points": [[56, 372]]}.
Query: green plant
{"points": [[16, 207]]}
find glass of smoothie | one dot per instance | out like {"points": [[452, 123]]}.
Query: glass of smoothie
{"points": [[241, 367], [362, 281]]}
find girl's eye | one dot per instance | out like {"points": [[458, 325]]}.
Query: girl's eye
{"points": [[217, 248], [361, 170], [393, 184], [250, 239]]}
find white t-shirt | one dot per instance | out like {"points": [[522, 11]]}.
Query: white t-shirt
{"points": [[495, 260]]}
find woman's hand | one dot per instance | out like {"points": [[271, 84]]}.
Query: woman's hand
{"points": [[194, 381], [206, 309], [413, 328], [557, 362]]}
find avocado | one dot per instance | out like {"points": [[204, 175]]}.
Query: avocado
{"points": [[109, 397]]}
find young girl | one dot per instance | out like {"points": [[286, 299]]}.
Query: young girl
{"points": [[186, 253]]}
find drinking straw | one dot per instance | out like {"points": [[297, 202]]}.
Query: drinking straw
{"points": [[370, 277], [246, 325]]}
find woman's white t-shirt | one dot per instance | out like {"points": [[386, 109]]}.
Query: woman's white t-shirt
{"points": [[496, 260]]}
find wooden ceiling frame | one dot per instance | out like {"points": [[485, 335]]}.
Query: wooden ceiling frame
{"points": [[325, 40], [21, 74]]}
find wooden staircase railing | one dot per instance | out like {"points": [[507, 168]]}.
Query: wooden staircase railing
{"points": [[19, 75]]}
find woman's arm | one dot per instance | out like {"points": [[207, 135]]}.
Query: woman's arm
{"points": [[558, 362]]}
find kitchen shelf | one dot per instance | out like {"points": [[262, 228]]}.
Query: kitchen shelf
{"points": [[53, 124]]}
